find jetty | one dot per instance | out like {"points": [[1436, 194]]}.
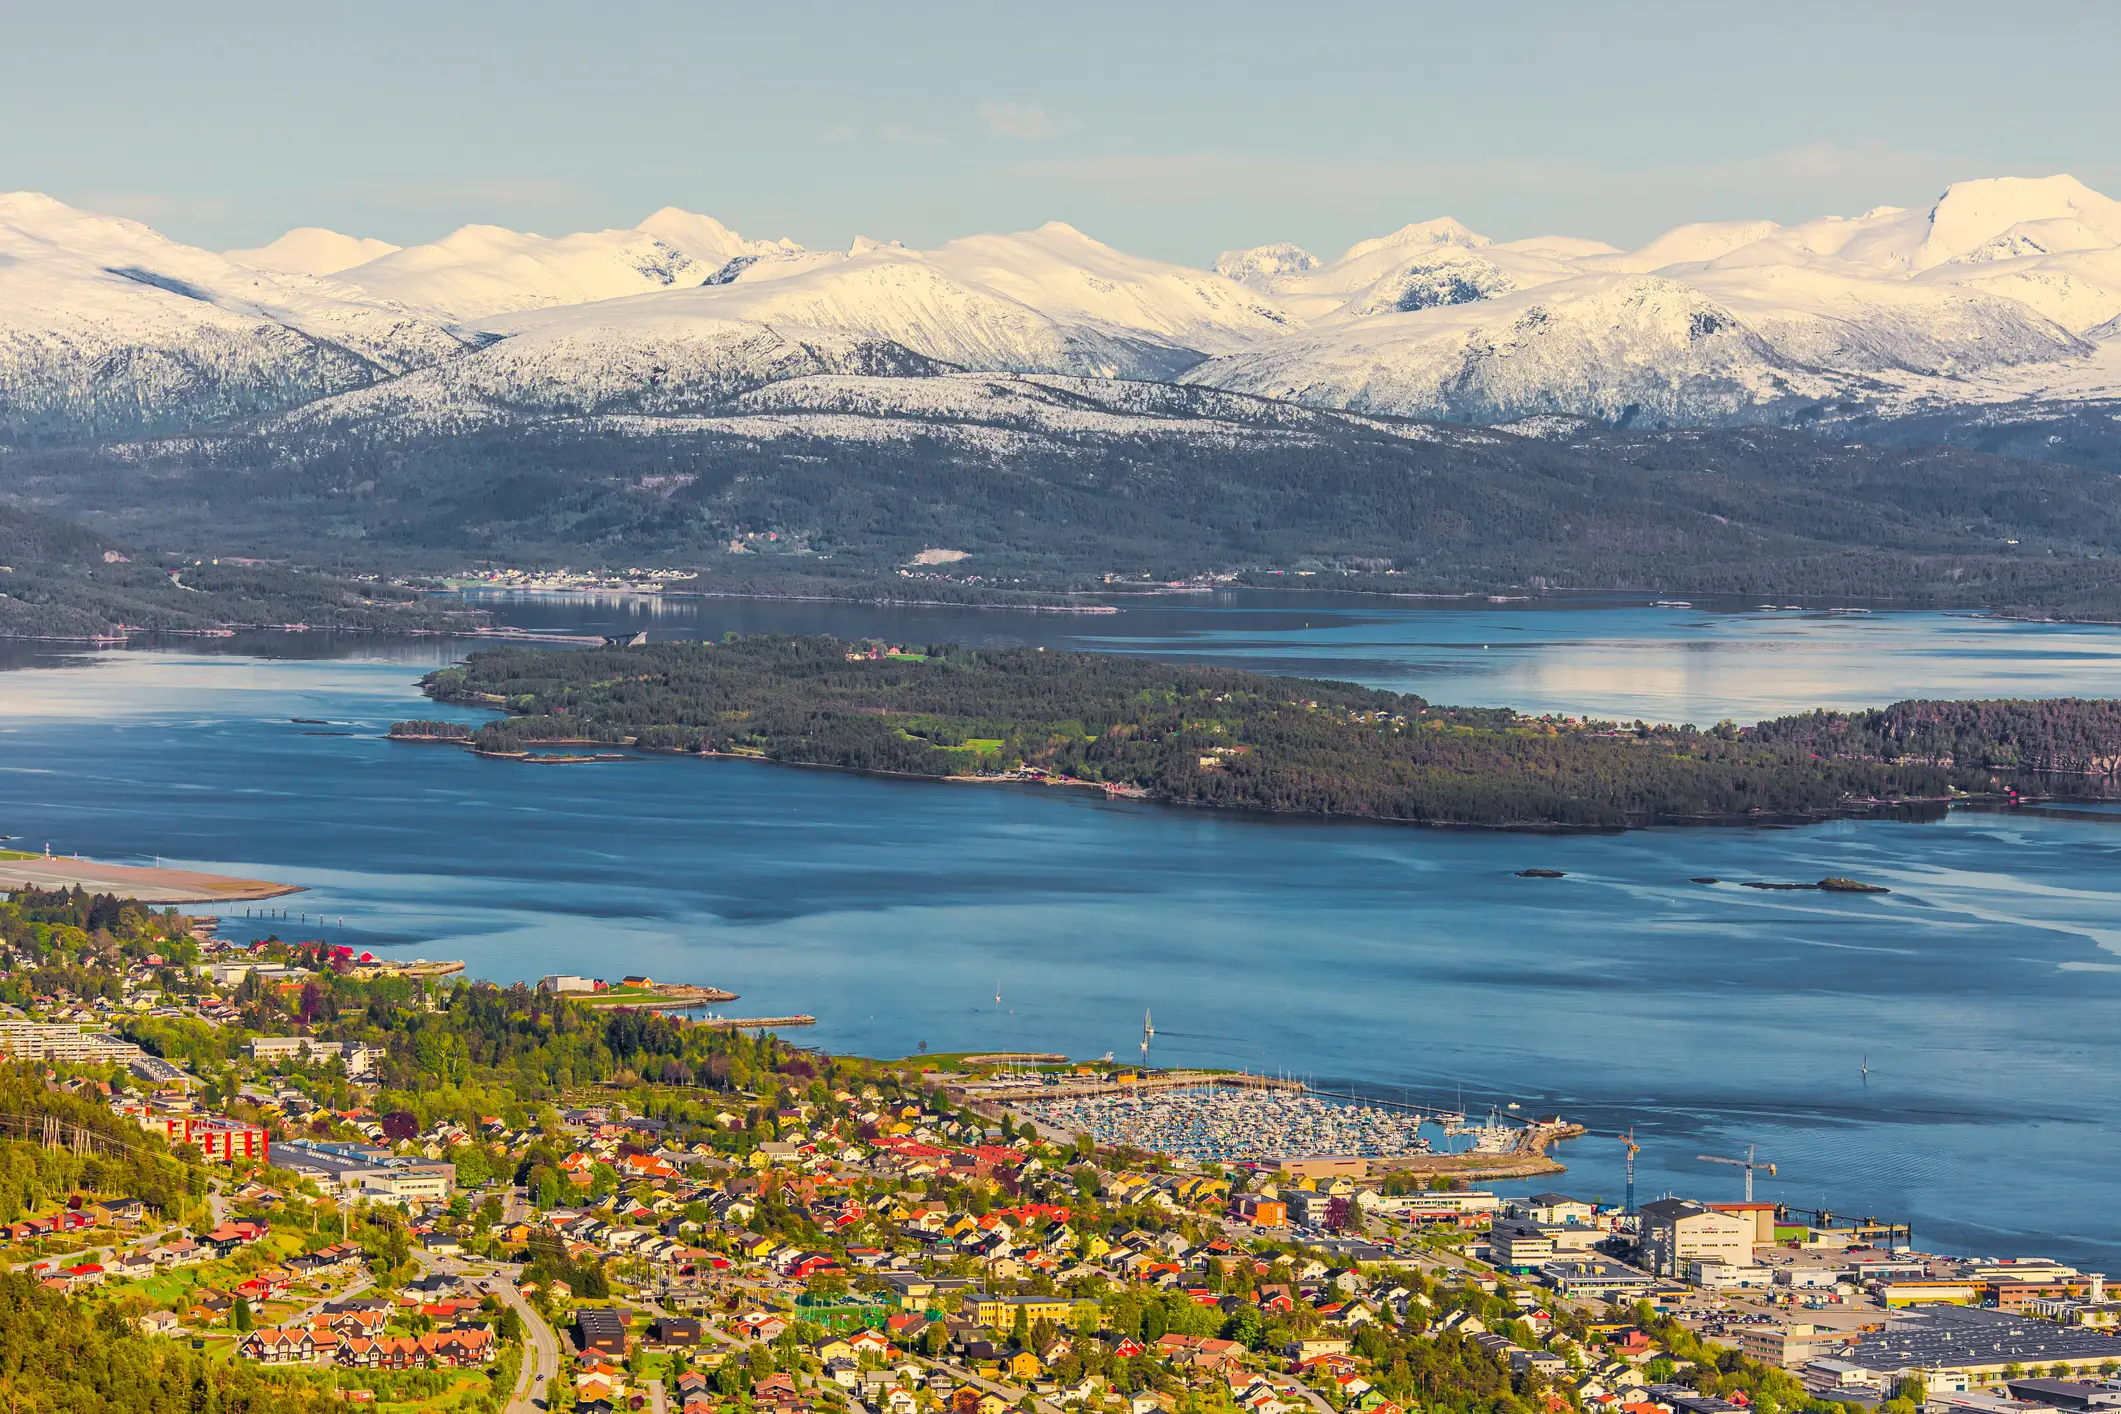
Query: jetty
{"points": [[1085, 1087], [145, 885], [754, 1023]]}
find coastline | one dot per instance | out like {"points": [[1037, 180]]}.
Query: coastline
{"points": [[1914, 809], [144, 884]]}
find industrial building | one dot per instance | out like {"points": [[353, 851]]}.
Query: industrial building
{"points": [[1676, 1233]]}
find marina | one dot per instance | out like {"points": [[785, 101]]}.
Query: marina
{"points": [[1216, 1124]]}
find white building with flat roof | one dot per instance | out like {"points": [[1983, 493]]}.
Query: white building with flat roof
{"points": [[1677, 1233]]}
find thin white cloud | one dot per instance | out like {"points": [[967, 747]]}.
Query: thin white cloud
{"points": [[900, 135], [505, 191], [1834, 176], [1024, 122]]}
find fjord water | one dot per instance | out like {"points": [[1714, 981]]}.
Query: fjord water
{"points": [[1981, 992]]}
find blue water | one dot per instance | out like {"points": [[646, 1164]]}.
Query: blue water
{"points": [[1981, 991]]}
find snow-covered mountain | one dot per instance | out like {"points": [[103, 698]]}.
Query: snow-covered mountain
{"points": [[312, 250], [1998, 287], [107, 327]]}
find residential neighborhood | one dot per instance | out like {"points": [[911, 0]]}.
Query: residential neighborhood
{"points": [[451, 1195]]}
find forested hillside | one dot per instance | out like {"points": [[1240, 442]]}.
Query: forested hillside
{"points": [[61, 580], [1212, 736], [1755, 512]]}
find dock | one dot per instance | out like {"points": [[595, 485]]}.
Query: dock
{"points": [[754, 1023], [146, 885], [1074, 1087]]}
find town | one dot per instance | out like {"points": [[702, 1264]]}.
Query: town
{"points": [[298, 1176]]}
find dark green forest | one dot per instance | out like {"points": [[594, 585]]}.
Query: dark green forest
{"points": [[1745, 511], [1213, 736], [61, 580]]}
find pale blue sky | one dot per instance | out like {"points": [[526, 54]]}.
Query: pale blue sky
{"points": [[1171, 130]]}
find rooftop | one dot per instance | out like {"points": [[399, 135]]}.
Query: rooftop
{"points": [[1945, 1336]]}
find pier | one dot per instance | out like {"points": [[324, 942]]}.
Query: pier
{"points": [[754, 1023], [1076, 1087]]}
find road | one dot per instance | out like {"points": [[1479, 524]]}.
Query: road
{"points": [[541, 1363], [1009, 1392]]}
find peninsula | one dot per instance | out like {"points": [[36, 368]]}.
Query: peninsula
{"points": [[1207, 736], [22, 870]]}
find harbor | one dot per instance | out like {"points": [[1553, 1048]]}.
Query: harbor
{"points": [[1250, 1119]]}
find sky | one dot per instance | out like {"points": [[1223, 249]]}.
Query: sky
{"points": [[1174, 130]]}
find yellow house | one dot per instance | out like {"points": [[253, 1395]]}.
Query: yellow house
{"points": [[834, 1350], [1024, 1365], [999, 1312]]}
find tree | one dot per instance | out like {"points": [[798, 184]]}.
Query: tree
{"points": [[239, 1317], [1020, 1331]]}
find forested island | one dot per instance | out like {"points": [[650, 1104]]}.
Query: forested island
{"points": [[1211, 736]]}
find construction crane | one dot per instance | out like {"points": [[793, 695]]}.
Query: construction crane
{"points": [[1749, 1163], [1633, 1149]]}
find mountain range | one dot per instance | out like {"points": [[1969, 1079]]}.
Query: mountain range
{"points": [[2002, 295], [1921, 405]]}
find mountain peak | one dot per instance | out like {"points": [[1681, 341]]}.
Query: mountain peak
{"points": [[704, 238], [312, 250], [1444, 230], [1971, 214], [1264, 264], [1699, 241]]}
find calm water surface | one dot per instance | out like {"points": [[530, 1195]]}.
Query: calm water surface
{"points": [[1982, 990]]}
